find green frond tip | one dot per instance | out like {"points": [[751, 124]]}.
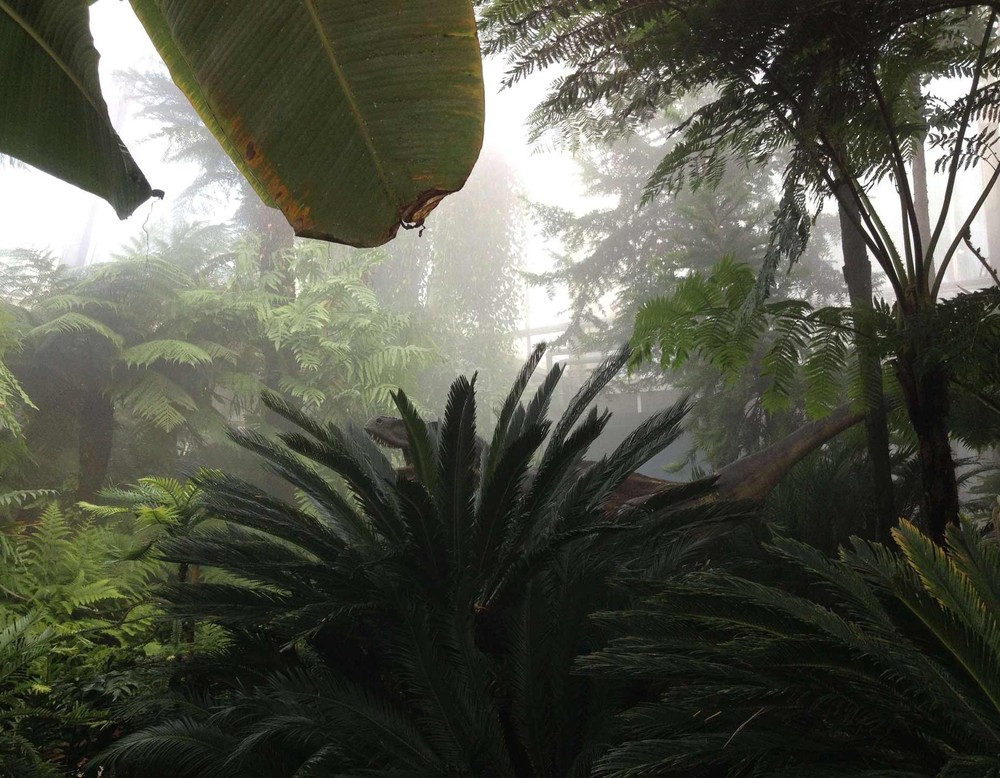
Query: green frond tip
{"points": [[423, 453], [19, 498], [178, 352], [159, 400], [73, 322]]}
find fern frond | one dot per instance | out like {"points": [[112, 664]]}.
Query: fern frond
{"points": [[178, 352], [73, 322]]}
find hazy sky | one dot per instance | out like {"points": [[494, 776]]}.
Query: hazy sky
{"points": [[122, 43], [44, 212]]}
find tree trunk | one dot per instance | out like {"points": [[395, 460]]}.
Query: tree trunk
{"points": [[96, 424], [187, 573], [932, 396], [921, 202], [275, 236], [927, 401], [858, 275]]}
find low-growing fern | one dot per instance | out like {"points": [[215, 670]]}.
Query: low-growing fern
{"points": [[68, 614]]}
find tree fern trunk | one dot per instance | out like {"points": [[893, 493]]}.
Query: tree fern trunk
{"points": [[928, 396], [96, 424], [927, 401], [275, 237], [921, 201], [858, 275], [186, 574]]}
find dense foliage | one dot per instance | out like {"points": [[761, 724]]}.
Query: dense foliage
{"points": [[73, 634], [136, 365], [282, 599], [430, 625], [887, 668], [621, 252], [468, 310], [852, 91]]}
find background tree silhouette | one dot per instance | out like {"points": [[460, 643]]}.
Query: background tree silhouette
{"points": [[834, 82]]}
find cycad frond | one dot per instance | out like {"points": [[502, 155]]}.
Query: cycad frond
{"points": [[513, 401], [893, 674], [181, 747], [456, 480], [422, 451], [424, 612]]}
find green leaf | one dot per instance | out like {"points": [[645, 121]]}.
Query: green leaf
{"points": [[73, 321], [52, 113], [352, 118], [178, 352], [158, 400]]}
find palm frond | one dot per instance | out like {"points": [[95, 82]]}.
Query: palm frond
{"points": [[421, 613]]}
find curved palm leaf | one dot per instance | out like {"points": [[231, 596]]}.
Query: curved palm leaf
{"points": [[352, 118], [52, 113]]}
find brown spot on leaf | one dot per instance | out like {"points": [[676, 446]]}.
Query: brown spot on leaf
{"points": [[251, 151], [414, 214]]}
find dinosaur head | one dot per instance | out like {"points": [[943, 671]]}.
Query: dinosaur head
{"points": [[388, 431]]}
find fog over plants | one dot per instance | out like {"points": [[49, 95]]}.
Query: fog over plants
{"points": [[667, 445]]}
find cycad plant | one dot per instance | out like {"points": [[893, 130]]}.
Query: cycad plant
{"points": [[888, 668], [428, 620]]}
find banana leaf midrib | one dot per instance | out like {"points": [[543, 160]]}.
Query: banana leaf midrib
{"points": [[21, 22], [352, 102]]}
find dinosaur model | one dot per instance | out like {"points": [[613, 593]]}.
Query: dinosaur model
{"points": [[750, 478], [390, 432]]}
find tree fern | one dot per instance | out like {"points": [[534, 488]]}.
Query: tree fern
{"points": [[12, 398], [708, 317], [74, 322], [165, 350], [171, 340], [157, 399], [851, 92]]}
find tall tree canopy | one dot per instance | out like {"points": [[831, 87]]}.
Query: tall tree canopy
{"points": [[618, 254], [844, 86]]}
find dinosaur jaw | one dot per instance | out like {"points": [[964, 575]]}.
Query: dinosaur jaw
{"points": [[381, 439], [388, 431]]}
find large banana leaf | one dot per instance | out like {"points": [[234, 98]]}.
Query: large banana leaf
{"points": [[351, 116], [52, 114]]}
